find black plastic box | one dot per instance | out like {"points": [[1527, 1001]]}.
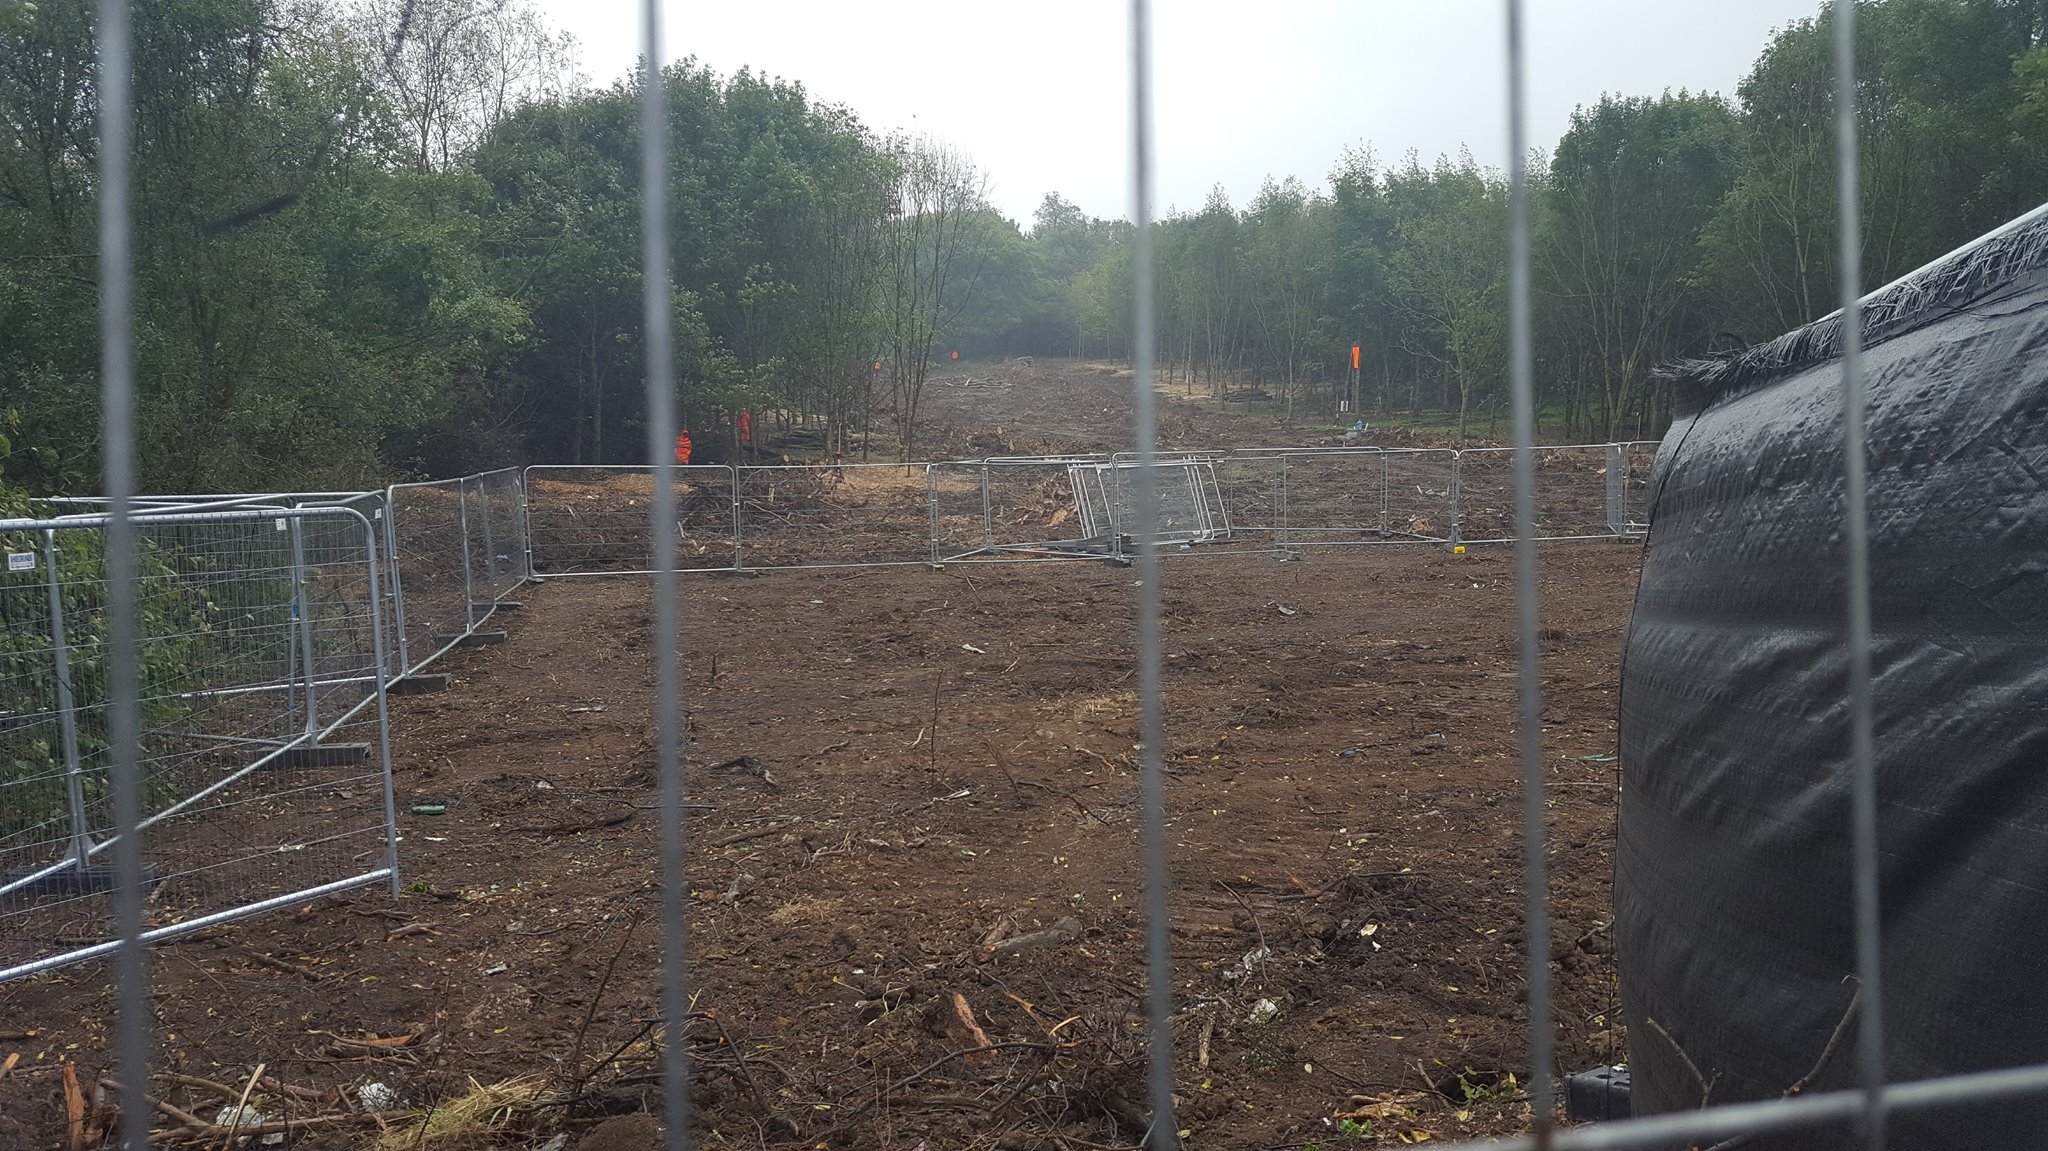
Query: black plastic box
{"points": [[1602, 1093]]}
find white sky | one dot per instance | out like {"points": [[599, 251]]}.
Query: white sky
{"points": [[1038, 92]]}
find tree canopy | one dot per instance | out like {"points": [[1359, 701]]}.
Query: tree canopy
{"points": [[381, 238]]}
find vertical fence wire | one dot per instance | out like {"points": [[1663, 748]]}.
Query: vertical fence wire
{"points": [[1856, 572], [117, 450], [1522, 387], [1165, 1131], [668, 703]]}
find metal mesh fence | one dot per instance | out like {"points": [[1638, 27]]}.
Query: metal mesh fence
{"points": [[1570, 495], [1330, 496], [1021, 508], [833, 514], [1420, 488], [262, 746], [498, 510], [433, 560], [458, 548], [1190, 502], [592, 520], [1631, 464]]}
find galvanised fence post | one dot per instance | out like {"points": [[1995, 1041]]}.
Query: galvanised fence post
{"points": [[67, 709]]}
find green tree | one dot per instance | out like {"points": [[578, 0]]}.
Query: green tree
{"points": [[1632, 185]]}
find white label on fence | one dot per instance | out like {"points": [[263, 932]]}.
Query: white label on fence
{"points": [[280, 525], [21, 561]]}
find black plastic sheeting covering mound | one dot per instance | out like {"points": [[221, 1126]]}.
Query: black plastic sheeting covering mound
{"points": [[1734, 920]]}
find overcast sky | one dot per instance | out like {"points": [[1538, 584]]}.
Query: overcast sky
{"points": [[1037, 92]]}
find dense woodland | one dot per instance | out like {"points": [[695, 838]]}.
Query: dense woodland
{"points": [[385, 237]]}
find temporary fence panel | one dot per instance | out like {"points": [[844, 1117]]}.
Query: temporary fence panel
{"points": [[1419, 493], [427, 533], [1629, 465], [264, 748], [1092, 500], [833, 515], [1571, 493], [1011, 508], [592, 519], [1319, 496], [1190, 500], [370, 504], [497, 510]]}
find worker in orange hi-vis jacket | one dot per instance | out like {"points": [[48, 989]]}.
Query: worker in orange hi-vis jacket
{"points": [[683, 446], [746, 429]]}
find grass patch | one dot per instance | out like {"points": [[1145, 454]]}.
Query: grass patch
{"points": [[474, 1119]]}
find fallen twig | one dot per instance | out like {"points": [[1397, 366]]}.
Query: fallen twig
{"points": [[612, 820], [178, 1113], [757, 833], [821, 753], [241, 1108], [1264, 951], [307, 1094], [934, 1065], [747, 1074], [220, 1089], [1066, 929], [276, 964], [590, 1012], [962, 1028]]}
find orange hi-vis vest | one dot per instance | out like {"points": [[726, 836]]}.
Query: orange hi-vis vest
{"points": [[683, 447]]}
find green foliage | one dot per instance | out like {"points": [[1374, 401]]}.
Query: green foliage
{"points": [[177, 617], [1632, 186], [359, 254]]}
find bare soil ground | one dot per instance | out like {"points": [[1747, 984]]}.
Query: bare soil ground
{"points": [[1053, 405], [901, 772]]}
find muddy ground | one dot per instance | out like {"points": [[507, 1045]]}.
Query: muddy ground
{"points": [[903, 773]]}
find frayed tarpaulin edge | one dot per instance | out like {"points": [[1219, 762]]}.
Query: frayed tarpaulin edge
{"points": [[1942, 288]]}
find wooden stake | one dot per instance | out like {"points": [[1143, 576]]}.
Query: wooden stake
{"points": [[74, 1107]]}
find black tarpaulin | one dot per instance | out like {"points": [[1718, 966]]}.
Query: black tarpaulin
{"points": [[1734, 921]]}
